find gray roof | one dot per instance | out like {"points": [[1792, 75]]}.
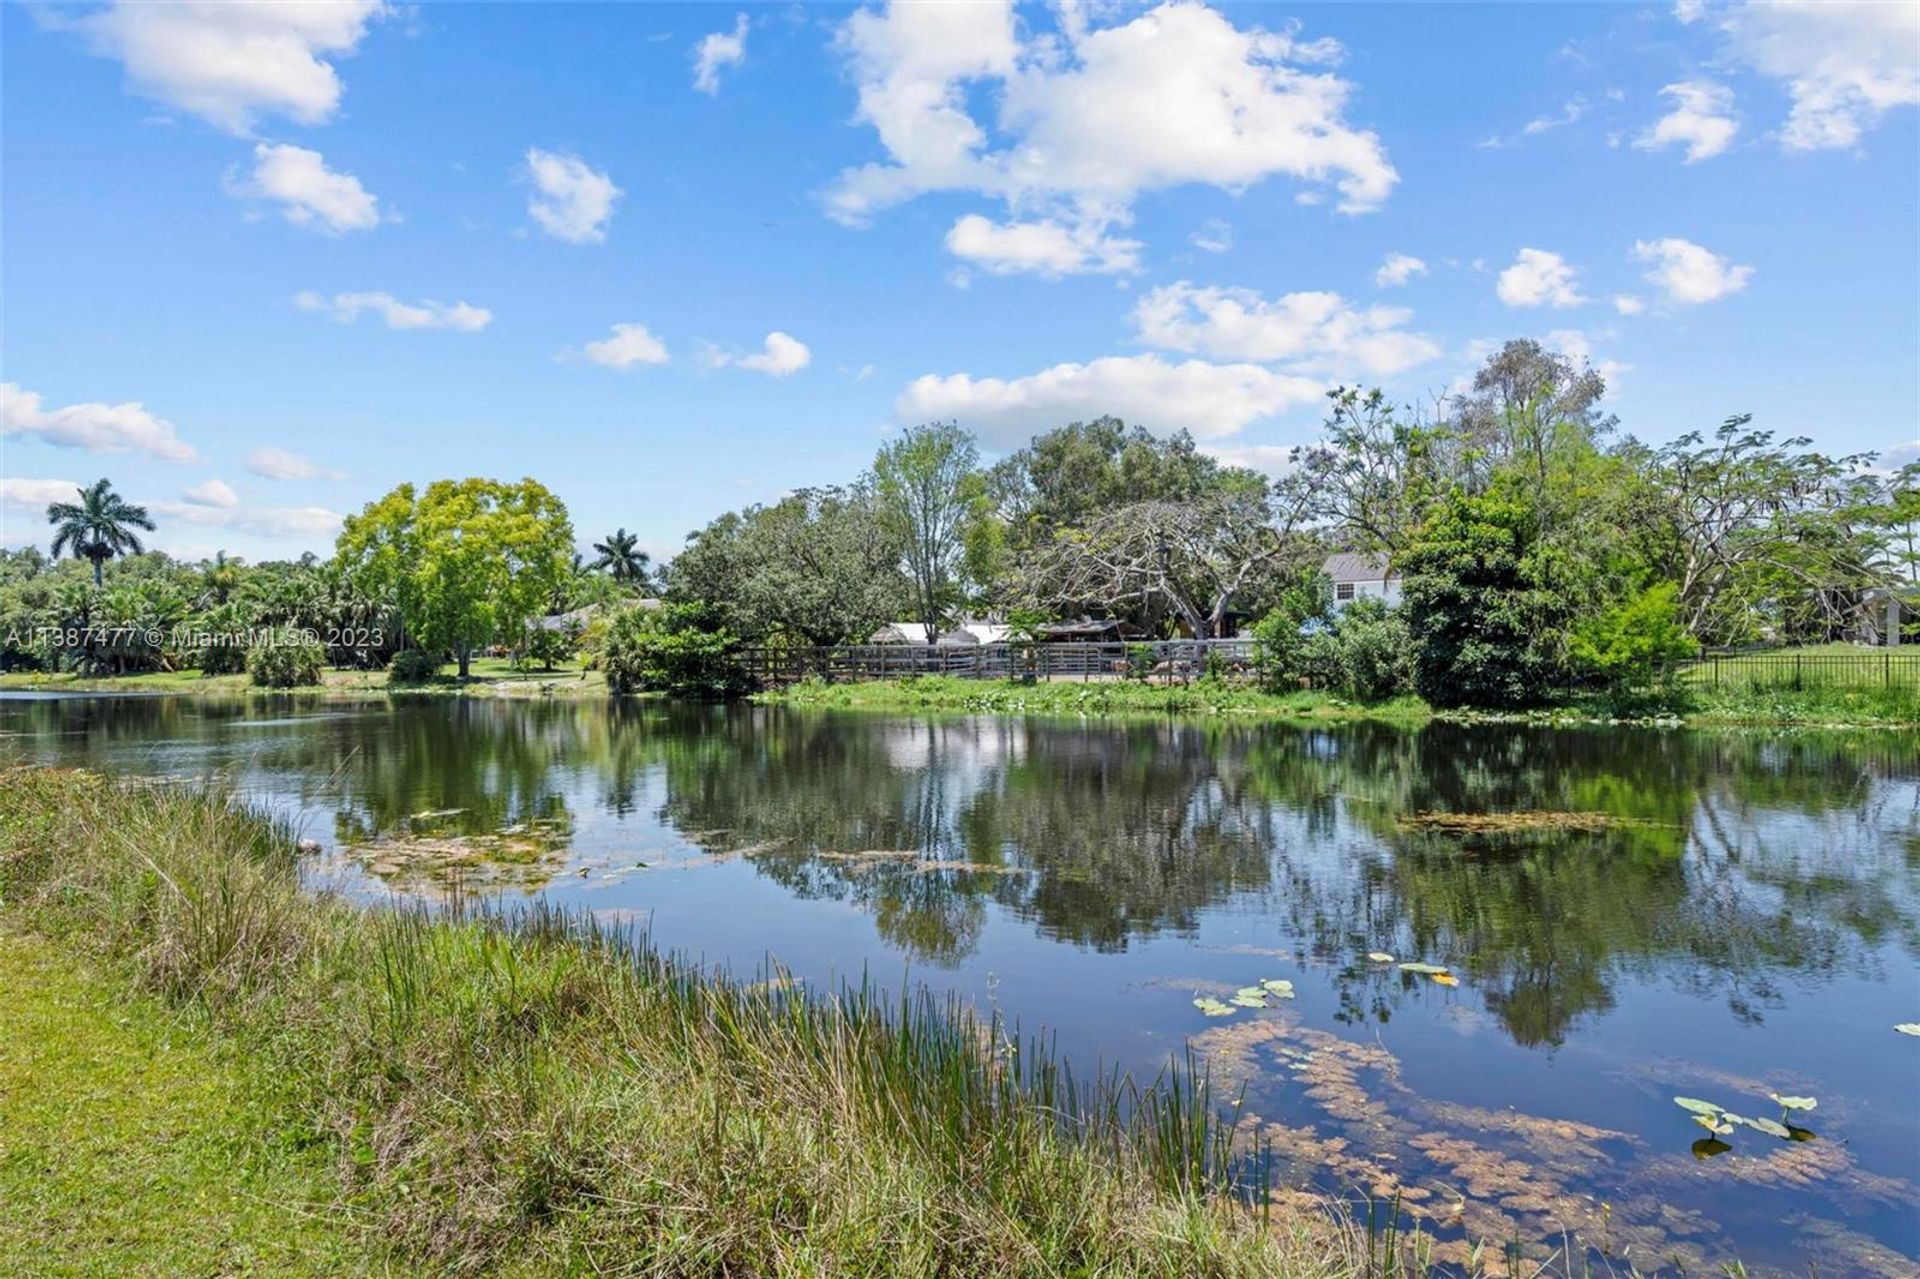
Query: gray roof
{"points": [[1354, 566]]}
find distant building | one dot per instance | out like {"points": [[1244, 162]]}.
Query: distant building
{"points": [[960, 634], [1360, 576]]}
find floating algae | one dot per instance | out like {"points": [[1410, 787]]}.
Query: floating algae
{"points": [[524, 855], [1592, 823]]}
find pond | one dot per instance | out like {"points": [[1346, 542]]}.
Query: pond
{"points": [[1624, 916]]}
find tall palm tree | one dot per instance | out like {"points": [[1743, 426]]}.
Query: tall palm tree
{"points": [[621, 556], [97, 527]]}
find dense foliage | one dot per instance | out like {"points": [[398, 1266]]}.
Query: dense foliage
{"points": [[675, 649], [290, 659]]}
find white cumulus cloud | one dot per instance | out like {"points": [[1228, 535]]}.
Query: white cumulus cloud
{"points": [[232, 63], [630, 344], [1210, 400], [1539, 278], [1398, 269], [284, 464], [781, 355], [1843, 63], [346, 308], [719, 49], [1628, 304], [35, 495], [571, 201], [1689, 274], [1091, 116], [1047, 248], [97, 428], [1702, 121], [309, 193], [212, 493], [1315, 331]]}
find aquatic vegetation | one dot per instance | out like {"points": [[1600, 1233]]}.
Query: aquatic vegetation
{"points": [[1908, 1027], [1380, 957], [524, 855], [1525, 820], [1429, 970], [1718, 1120], [1213, 1007]]}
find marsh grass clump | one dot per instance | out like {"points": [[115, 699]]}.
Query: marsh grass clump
{"points": [[533, 1092]]}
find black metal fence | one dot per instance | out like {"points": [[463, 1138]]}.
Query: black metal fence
{"points": [[1787, 669], [1160, 661]]}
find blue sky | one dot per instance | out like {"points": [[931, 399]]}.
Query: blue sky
{"points": [[262, 262]]}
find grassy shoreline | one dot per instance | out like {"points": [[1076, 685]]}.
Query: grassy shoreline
{"points": [[1701, 708], [1100, 697], [1698, 707], [544, 1098], [491, 677]]}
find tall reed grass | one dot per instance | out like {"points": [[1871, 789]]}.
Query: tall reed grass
{"points": [[536, 1092]]}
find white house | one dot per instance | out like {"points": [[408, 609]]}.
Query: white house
{"points": [[1358, 576]]}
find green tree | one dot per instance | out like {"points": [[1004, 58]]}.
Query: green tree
{"points": [[97, 527], [931, 492], [621, 558], [1487, 630], [821, 565], [676, 650], [466, 563], [219, 577]]}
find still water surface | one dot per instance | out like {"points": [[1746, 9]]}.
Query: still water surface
{"points": [[1728, 915]]}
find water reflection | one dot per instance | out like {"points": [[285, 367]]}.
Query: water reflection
{"points": [[1676, 911]]}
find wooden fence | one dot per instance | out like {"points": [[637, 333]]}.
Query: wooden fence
{"points": [[1161, 661]]}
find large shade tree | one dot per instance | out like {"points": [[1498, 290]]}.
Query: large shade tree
{"points": [[466, 563], [97, 527], [932, 495]]}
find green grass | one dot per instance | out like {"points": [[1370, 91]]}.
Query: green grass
{"points": [[130, 1146], [540, 1097], [1099, 697], [489, 677]]}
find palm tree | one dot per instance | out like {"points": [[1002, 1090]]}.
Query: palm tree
{"points": [[220, 576], [621, 556], [97, 527]]}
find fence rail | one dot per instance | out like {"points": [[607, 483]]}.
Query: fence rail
{"points": [[1785, 669], [1161, 661]]}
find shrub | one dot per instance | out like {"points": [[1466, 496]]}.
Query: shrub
{"points": [[1280, 652], [673, 650], [546, 646], [414, 666], [225, 651], [290, 658], [1630, 644], [1374, 651]]}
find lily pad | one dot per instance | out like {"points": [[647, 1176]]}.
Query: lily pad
{"points": [[1276, 988], [1431, 970], [1714, 1124], [1248, 1001], [1382, 957], [1771, 1128], [1446, 979], [1252, 992], [1697, 1106], [1212, 1007], [1909, 1027], [1794, 1103]]}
